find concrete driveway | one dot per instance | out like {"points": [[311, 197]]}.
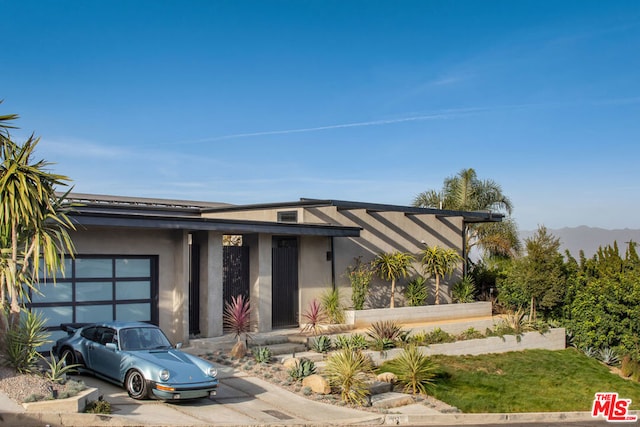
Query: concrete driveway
{"points": [[241, 400]]}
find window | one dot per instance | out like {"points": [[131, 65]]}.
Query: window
{"points": [[288, 216], [99, 288]]}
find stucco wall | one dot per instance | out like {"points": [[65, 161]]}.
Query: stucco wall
{"points": [[171, 247], [314, 270], [388, 232]]}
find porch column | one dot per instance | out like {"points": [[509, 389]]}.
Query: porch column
{"points": [[260, 280], [211, 275]]}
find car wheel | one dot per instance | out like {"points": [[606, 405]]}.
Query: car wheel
{"points": [[136, 385], [68, 356]]}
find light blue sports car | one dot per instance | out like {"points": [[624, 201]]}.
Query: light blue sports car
{"points": [[139, 357]]}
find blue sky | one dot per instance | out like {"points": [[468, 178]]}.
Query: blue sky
{"points": [[374, 101]]}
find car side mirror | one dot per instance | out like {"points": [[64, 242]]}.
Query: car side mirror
{"points": [[111, 346], [179, 346]]}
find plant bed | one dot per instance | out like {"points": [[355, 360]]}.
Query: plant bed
{"points": [[420, 314]]}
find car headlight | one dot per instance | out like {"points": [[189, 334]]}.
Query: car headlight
{"points": [[212, 372], [164, 375]]}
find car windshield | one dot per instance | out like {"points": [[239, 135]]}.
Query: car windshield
{"points": [[143, 339]]}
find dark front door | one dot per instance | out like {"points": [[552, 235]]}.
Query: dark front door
{"points": [[235, 266], [285, 282]]}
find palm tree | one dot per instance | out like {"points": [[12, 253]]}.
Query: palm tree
{"points": [[33, 222], [466, 192], [439, 262], [390, 266]]}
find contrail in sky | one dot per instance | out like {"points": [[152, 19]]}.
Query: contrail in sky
{"points": [[435, 116]]}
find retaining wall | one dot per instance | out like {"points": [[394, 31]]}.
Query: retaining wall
{"points": [[422, 314], [554, 339]]}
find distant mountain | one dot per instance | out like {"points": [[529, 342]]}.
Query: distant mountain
{"points": [[589, 239]]}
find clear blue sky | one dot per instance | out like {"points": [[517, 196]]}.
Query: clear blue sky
{"points": [[373, 101]]}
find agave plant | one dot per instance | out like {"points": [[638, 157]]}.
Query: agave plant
{"points": [[262, 354], [608, 356], [302, 369], [321, 344], [237, 316]]}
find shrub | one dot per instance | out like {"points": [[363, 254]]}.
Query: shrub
{"points": [[332, 305], [464, 291], [23, 340], [416, 292], [262, 354], [359, 276], [471, 334], [302, 369], [438, 336], [346, 370], [98, 407], [415, 370], [321, 344]]}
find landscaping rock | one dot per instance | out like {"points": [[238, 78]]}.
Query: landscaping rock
{"points": [[317, 383], [387, 377], [291, 362], [239, 350]]}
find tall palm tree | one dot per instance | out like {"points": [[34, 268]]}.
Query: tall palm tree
{"points": [[466, 192], [390, 266], [33, 222], [439, 262]]}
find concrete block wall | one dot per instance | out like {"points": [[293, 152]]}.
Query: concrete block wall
{"points": [[554, 339]]}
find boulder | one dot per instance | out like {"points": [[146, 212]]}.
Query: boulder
{"points": [[317, 384], [387, 377], [291, 362], [239, 350]]}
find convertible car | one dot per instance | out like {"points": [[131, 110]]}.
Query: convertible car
{"points": [[139, 357]]}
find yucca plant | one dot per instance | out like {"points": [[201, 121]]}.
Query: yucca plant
{"points": [[332, 305], [237, 316], [346, 370], [23, 340], [415, 370], [321, 344], [302, 369], [315, 316], [57, 370]]}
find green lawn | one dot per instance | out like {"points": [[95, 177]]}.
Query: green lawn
{"points": [[527, 381]]}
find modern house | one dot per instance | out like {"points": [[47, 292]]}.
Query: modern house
{"points": [[170, 262]]}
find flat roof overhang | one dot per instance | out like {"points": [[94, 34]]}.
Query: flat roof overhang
{"points": [[226, 226]]}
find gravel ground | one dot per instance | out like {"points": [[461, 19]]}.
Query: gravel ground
{"points": [[20, 387]]}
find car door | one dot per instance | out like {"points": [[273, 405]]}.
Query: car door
{"points": [[105, 359]]}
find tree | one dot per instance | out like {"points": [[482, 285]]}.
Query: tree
{"points": [[390, 266], [33, 222], [439, 262], [466, 192], [539, 279]]}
